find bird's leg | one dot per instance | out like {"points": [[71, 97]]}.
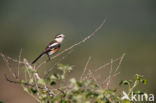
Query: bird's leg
{"points": [[48, 56]]}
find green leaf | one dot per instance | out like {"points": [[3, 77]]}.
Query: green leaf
{"points": [[126, 101], [125, 82], [31, 81], [41, 81], [144, 81], [55, 76], [138, 77], [73, 81], [52, 83], [26, 90], [79, 84], [63, 101], [62, 76], [34, 91], [21, 81], [137, 92], [64, 68]]}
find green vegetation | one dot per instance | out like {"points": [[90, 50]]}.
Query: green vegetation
{"points": [[55, 88], [78, 91]]}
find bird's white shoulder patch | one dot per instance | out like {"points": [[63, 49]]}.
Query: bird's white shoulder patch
{"points": [[54, 44]]}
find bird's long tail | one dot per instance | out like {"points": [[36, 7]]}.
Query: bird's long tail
{"points": [[38, 57]]}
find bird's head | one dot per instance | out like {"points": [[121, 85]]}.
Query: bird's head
{"points": [[59, 37]]}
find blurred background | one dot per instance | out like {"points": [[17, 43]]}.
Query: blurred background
{"points": [[130, 28]]}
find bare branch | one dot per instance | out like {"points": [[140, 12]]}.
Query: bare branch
{"points": [[115, 60], [26, 84], [7, 64], [110, 74], [78, 43], [85, 69], [94, 79], [115, 73], [28, 65], [9, 58], [122, 57], [17, 82], [82, 41], [19, 59]]}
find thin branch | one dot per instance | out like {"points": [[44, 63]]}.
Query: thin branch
{"points": [[122, 57], [84, 40], [115, 72], [17, 82], [9, 58], [94, 79], [35, 81], [49, 70], [25, 84], [61, 91], [28, 65], [85, 69], [111, 67], [114, 75], [19, 59], [78, 43], [7, 64], [115, 60], [110, 74]]}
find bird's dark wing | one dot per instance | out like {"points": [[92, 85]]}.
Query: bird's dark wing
{"points": [[52, 45]]}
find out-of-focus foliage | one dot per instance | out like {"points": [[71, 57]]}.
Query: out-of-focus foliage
{"points": [[76, 91]]}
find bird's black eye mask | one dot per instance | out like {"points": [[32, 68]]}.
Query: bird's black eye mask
{"points": [[58, 36]]}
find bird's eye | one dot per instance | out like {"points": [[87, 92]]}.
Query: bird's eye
{"points": [[58, 36]]}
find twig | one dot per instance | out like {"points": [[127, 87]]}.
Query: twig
{"points": [[84, 40], [27, 64], [49, 70], [78, 43], [122, 57], [85, 68], [5, 58], [9, 58], [25, 84], [114, 60], [17, 82], [19, 58], [114, 75], [60, 90], [110, 74], [94, 79], [25, 75], [8, 66], [35, 81]]}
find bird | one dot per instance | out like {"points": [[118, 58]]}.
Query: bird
{"points": [[52, 47]]}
